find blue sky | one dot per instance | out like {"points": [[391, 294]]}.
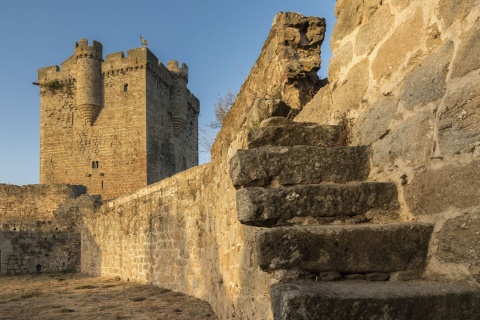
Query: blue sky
{"points": [[219, 40]]}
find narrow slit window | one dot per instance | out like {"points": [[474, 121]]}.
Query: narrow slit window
{"points": [[125, 87]]}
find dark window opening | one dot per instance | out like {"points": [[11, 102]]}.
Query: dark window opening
{"points": [[102, 184], [125, 87], [94, 164]]}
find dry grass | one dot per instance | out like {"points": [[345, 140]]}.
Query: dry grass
{"points": [[78, 297]]}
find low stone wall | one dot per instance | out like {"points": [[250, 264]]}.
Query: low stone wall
{"points": [[34, 202], [182, 234], [33, 237]]}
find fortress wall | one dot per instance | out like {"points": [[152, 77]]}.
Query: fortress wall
{"points": [[34, 202], [406, 74], [182, 233], [31, 238]]}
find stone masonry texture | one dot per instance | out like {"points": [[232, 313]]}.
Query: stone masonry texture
{"points": [[410, 92], [417, 105], [31, 238]]}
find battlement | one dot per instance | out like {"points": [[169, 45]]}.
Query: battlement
{"points": [[82, 47], [176, 70]]}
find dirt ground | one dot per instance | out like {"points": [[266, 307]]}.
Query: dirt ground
{"points": [[74, 296]]}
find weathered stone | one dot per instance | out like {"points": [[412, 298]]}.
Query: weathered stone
{"points": [[328, 276], [286, 69], [374, 122], [35, 202], [377, 276], [459, 239], [260, 167], [411, 141], [349, 94], [458, 129], [340, 60], [426, 82], [263, 206], [451, 186], [401, 4], [318, 109], [349, 15], [394, 51], [344, 248], [454, 10], [354, 276], [293, 134], [266, 108], [374, 300], [374, 30], [467, 58]]}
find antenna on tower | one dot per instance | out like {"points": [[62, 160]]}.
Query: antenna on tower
{"points": [[143, 41]]}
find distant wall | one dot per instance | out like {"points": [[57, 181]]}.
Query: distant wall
{"points": [[406, 73], [32, 237]]}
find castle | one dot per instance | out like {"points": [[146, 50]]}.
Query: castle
{"points": [[387, 205], [117, 125]]}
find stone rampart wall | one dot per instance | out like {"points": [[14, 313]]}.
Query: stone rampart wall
{"points": [[182, 234], [406, 74], [34, 235]]}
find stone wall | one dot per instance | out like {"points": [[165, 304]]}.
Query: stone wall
{"points": [[405, 73], [182, 233], [34, 237]]}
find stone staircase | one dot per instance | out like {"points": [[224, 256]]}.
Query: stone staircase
{"points": [[320, 220]]}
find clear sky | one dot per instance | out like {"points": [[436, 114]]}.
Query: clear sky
{"points": [[219, 40]]}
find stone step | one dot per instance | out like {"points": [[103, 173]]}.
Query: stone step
{"points": [[279, 131], [356, 248], [282, 166], [360, 300], [266, 207]]}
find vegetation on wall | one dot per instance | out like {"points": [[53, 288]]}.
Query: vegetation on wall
{"points": [[54, 86]]}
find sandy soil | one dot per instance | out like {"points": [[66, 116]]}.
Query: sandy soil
{"points": [[73, 296]]}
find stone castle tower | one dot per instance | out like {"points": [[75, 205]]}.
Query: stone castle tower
{"points": [[116, 125]]}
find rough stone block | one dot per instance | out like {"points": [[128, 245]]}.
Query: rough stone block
{"points": [[345, 248], [294, 134], [374, 122], [459, 239], [349, 94], [264, 206], [468, 55], [426, 83], [411, 141], [452, 186], [263, 166], [373, 300], [452, 10], [458, 129], [395, 50], [374, 30]]}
